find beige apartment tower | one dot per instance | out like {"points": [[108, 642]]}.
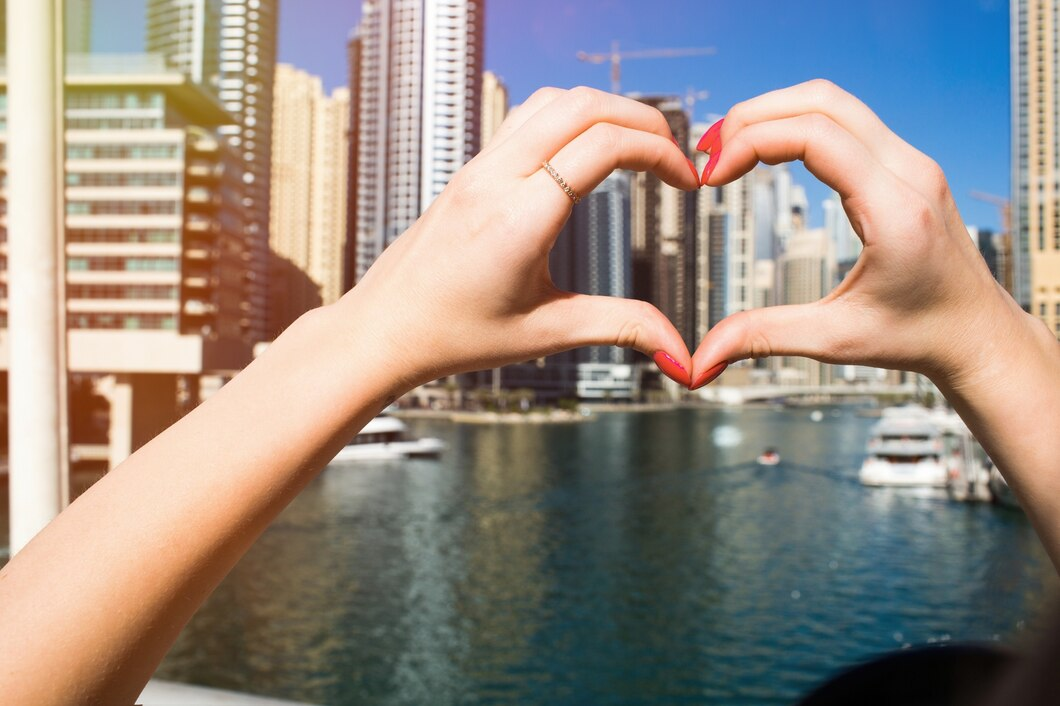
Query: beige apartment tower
{"points": [[1036, 157], [494, 105], [307, 238]]}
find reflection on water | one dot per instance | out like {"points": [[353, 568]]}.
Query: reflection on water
{"points": [[630, 560]]}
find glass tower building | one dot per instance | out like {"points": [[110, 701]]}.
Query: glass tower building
{"points": [[229, 46], [416, 112]]}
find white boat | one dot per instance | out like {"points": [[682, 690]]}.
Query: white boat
{"points": [[385, 438], [906, 449]]}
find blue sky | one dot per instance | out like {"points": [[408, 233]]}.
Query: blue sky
{"points": [[937, 71]]}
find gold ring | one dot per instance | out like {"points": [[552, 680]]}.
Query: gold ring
{"points": [[562, 182]]}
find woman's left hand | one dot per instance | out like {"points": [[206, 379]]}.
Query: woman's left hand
{"points": [[468, 286]]}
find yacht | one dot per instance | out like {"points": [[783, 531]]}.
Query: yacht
{"points": [[906, 449], [385, 438]]}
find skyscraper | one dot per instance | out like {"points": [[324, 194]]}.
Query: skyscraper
{"points": [[417, 115], [229, 46], [845, 241], [154, 239], [1036, 157], [663, 237], [494, 105], [308, 220], [807, 273]]}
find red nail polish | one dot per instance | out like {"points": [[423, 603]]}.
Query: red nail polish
{"points": [[709, 375], [709, 169], [671, 368], [709, 137]]}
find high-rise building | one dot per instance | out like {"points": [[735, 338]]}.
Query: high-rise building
{"points": [[663, 234], [1036, 157], [308, 220], [603, 266], [154, 238], [845, 241], [229, 46], [418, 111], [740, 277], [807, 273], [494, 105]]}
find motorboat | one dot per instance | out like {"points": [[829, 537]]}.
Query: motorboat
{"points": [[906, 448], [769, 457], [386, 438]]}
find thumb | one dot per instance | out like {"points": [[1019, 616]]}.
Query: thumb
{"points": [[821, 331], [587, 320]]}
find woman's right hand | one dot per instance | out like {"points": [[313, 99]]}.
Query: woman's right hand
{"points": [[919, 298]]}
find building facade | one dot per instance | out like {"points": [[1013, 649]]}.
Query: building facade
{"points": [[308, 203], [153, 222], [154, 241], [229, 47], [663, 234], [417, 98], [807, 273], [494, 105], [1036, 157]]}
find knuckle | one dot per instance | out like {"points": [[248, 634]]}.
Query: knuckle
{"points": [[604, 138], [823, 91], [820, 126], [466, 188], [632, 332], [545, 94], [584, 100], [735, 116], [754, 339], [935, 177]]}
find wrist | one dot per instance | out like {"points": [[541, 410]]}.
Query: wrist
{"points": [[351, 352], [999, 343]]}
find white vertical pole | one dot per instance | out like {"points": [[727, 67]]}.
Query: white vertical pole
{"points": [[36, 268]]}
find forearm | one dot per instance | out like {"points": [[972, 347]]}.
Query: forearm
{"points": [[1011, 402], [96, 600]]}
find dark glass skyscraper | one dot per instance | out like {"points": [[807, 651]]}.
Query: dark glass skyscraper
{"points": [[229, 46]]}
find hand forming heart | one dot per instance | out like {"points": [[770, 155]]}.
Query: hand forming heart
{"points": [[920, 297], [473, 271]]}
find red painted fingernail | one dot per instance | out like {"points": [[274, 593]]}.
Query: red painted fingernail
{"points": [[709, 169], [671, 368], [695, 174], [707, 141], [709, 375]]}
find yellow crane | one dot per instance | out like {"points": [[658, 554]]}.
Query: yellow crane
{"points": [[615, 58], [1004, 209]]}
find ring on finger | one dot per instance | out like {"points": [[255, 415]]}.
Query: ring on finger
{"points": [[571, 193]]}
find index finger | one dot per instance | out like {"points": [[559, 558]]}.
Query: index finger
{"points": [[561, 120]]}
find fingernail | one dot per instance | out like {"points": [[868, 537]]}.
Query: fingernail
{"points": [[695, 174], [707, 141], [709, 169], [709, 375], [671, 368]]}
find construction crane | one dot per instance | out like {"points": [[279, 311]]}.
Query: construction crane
{"points": [[1004, 209], [615, 57]]}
